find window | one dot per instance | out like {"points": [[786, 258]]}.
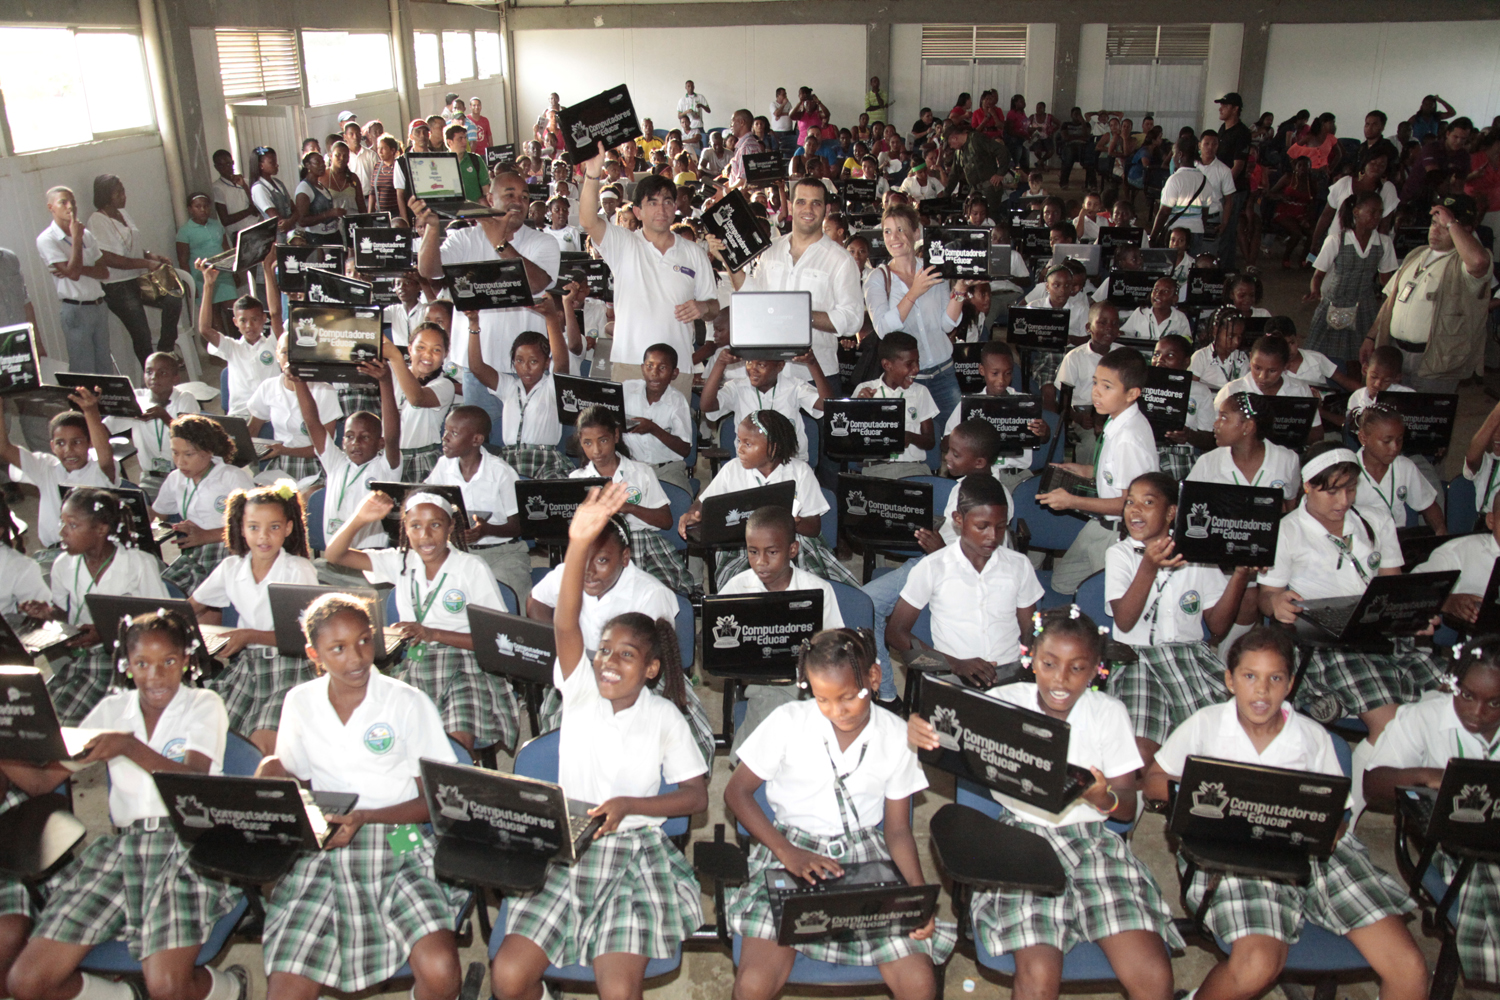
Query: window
{"points": [[971, 59], [64, 87], [1177, 42], [487, 52], [429, 61], [458, 56], [1157, 69], [974, 41], [342, 65], [258, 63]]}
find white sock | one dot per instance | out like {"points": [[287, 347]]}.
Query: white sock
{"points": [[223, 987], [1191, 994], [99, 988]]}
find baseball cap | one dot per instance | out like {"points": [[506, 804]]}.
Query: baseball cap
{"points": [[417, 123], [1464, 208], [347, 116], [1231, 98]]}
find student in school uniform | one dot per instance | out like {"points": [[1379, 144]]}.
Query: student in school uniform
{"points": [[1313, 367], [529, 428], [1179, 449], [488, 483], [1111, 898], [1474, 557], [348, 916], [1415, 748], [1481, 461], [1388, 480], [899, 365], [632, 896], [1345, 894], [1244, 457], [196, 492], [1126, 448], [997, 366], [266, 538], [249, 351], [136, 884], [1222, 361], [658, 421], [94, 527], [1160, 317], [765, 388], [275, 400], [20, 577], [1077, 372], [839, 777], [160, 402], [80, 456], [435, 582], [1055, 291], [1267, 377], [1381, 373], [424, 398], [1329, 547]]}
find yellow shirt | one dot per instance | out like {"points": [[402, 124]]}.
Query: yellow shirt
{"points": [[649, 144]]}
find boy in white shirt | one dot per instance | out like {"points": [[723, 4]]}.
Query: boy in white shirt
{"points": [[250, 358], [1161, 317], [1077, 371], [1381, 373], [1268, 377], [159, 401], [1055, 292], [899, 365], [1388, 480], [1177, 451], [275, 401], [1480, 461], [1126, 449], [997, 365], [1474, 557], [657, 417], [763, 388], [569, 238]]}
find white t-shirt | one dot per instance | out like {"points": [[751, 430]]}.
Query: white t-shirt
{"points": [[1128, 450], [569, 238], [634, 590], [1220, 185], [787, 397], [1174, 608], [232, 584], [203, 502], [918, 191], [1361, 398], [974, 611], [670, 413], [234, 199], [345, 488], [22, 580], [1308, 561], [1142, 325], [376, 754], [1428, 733], [1280, 469], [45, 471], [796, 751], [1188, 197], [1077, 370], [193, 721], [1215, 731], [1486, 481], [530, 417], [1218, 372], [807, 502], [463, 579], [1402, 489], [1291, 386], [493, 488], [1314, 367], [645, 489], [1342, 188], [131, 572], [1472, 555], [422, 426], [649, 286], [499, 327], [919, 408], [273, 401], [152, 438], [746, 582], [249, 365]]}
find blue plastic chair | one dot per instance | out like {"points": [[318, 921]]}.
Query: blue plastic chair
{"points": [[508, 596], [678, 502], [828, 526], [1049, 532], [1460, 505], [855, 606], [174, 591], [224, 388], [241, 757], [814, 431], [1090, 599], [687, 633], [315, 539]]}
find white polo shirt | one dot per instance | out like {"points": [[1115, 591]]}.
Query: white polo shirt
{"points": [[1187, 195], [193, 721], [1077, 369], [22, 580], [45, 471], [603, 754], [645, 489], [1077, 307], [1021, 461], [232, 584], [670, 413], [827, 271], [56, 247], [649, 286], [493, 488], [1220, 185], [1201, 412], [788, 397], [746, 582], [234, 199], [422, 426], [1215, 371], [1308, 561], [1174, 608], [1102, 737], [1380, 244], [153, 438], [376, 754], [249, 365], [1315, 367], [1428, 733], [273, 401], [499, 327], [1280, 469], [796, 751], [808, 500], [463, 579], [1142, 324], [530, 417], [1361, 398], [1129, 450], [204, 502], [974, 611], [1291, 386], [345, 487], [1472, 555], [919, 408], [1402, 489], [1486, 482], [1215, 731], [634, 590], [131, 572]]}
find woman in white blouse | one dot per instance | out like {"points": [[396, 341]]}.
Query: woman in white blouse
{"points": [[317, 215], [902, 295], [123, 254]]}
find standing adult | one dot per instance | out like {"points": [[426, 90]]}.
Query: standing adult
{"points": [[471, 170], [781, 120], [1436, 304], [72, 255], [1234, 153], [270, 196], [1220, 186], [1427, 123], [1077, 147], [344, 186], [484, 136], [122, 251], [361, 157], [382, 193], [745, 143], [876, 100], [983, 162], [232, 196], [693, 104], [664, 283], [1185, 198], [202, 236], [810, 116], [317, 216]]}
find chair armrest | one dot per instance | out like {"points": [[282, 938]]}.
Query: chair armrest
{"points": [[922, 658], [987, 854], [720, 860], [1021, 536]]}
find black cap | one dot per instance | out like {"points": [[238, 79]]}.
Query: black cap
{"points": [[1231, 98], [1465, 210]]}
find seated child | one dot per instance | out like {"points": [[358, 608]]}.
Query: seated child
{"points": [[1111, 898], [201, 452], [1347, 894], [973, 322], [659, 423], [424, 399], [1244, 457], [248, 351], [1381, 374], [1054, 292], [1222, 361], [1313, 367], [1474, 557], [1244, 293], [1161, 317], [1268, 377], [20, 578], [1481, 461], [275, 400], [1077, 372], [160, 401], [1178, 450], [1127, 258], [764, 388], [1388, 480], [997, 364], [530, 427], [899, 365]]}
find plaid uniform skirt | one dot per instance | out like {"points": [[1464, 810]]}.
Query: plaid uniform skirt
{"points": [[348, 918], [354, 398], [749, 909], [15, 900], [1109, 891], [298, 467], [469, 699], [254, 686], [814, 556], [80, 680], [654, 554], [631, 891], [1044, 366], [193, 566], [1346, 892], [549, 717], [136, 885], [1477, 917], [1361, 680], [538, 461], [417, 463], [1166, 685], [1176, 460]]}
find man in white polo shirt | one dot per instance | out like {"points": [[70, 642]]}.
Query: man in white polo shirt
{"points": [[663, 282], [493, 238], [70, 253]]}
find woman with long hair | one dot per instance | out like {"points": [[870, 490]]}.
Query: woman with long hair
{"points": [[123, 253]]}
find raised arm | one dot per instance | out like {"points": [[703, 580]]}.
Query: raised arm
{"points": [[415, 392], [206, 303], [8, 451], [588, 197], [88, 402], [373, 510], [588, 521], [390, 417], [316, 432], [429, 252]]}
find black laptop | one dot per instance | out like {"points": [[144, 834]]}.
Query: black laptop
{"points": [[329, 343], [859, 429], [330, 288], [1390, 606], [871, 899], [766, 167], [140, 533], [770, 326], [738, 228], [1462, 812], [23, 639], [608, 117], [251, 245], [512, 645], [547, 505], [1041, 329], [1227, 525], [435, 178], [383, 249], [875, 239], [289, 600], [397, 492], [1004, 747], [499, 829], [1165, 398], [1112, 238], [116, 393], [1131, 289], [1428, 418], [1489, 605], [362, 220], [1158, 261], [883, 511], [966, 367], [724, 515], [1011, 416], [999, 262], [576, 394], [1291, 419], [19, 369], [1055, 478], [295, 263], [958, 252], [107, 610], [1205, 286], [29, 729], [756, 637], [489, 284], [247, 450], [1088, 254]]}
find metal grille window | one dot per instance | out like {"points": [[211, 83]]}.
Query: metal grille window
{"points": [[1157, 69], [974, 41], [258, 63], [1157, 41]]}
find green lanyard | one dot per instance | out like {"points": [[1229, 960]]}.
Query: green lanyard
{"points": [[1234, 473], [420, 607], [760, 404], [189, 494], [1489, 486], [1345, 546], [1390, 502], [93, 581], [1099, 443], [1488, 754], [344, 487]]}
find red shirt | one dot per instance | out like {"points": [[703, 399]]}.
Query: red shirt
{"points": [[482, 124], [1017, 123]]}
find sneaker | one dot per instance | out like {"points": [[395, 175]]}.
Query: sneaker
{"points": [[1324, 709], [241, 977]]}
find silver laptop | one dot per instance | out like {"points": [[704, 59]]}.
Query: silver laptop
{"points": [[770, 326], [434, 177]]}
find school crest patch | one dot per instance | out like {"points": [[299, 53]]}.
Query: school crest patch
{"points": [[175, 750], [454, 600], [267, 358], [220, 503], [633, 495], [1278, 484], [1374, 559], [1400, 492], [1109, 477], [335, 524], [379, 738], [1190, 603]]}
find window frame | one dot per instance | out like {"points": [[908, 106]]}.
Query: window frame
{"points": [[302, 57], [151, 127]]}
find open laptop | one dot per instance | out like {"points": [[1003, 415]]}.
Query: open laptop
{"points": [[1390, 606], [575, 394], [724, 515], [397, 492], [1055, 478], [1157, 261], [547, 505], [295, 263], [756, 637], [1010, 415], [34, 638], [1088, 254], [999, 261], [871, 899], [1004, 747], [856, 429], [289, 600], [512, 645], [247, 829], [247, 450], [435, 178], [770, 326], [1227, 525], [1461, 812], [116, 393], [1247, 819], [883, 511], [502, 829], [29, 729], [107, 610], [1489, 605], [251, 245]]}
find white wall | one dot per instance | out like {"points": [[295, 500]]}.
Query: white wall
{"points": [[1350, 69], [1225, 45], [1092, 46], [906, 77], [731, 67], [1041, 54]]}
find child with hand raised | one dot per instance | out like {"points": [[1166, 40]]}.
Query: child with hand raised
{"points": [[424, 399]]}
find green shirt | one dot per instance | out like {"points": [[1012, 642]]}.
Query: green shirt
{"points": [[205, 241], [474, 176], [982, 158]]}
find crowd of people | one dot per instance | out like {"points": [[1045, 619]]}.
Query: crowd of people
{"points": [[1188, 659]]}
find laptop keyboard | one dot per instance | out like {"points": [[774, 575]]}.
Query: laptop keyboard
{"points": [[577, 824], [1332, 619]]}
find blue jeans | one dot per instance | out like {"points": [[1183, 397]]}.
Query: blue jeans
{"points": [[476, 393], [86, 332], [942, 381], [885, 591]]}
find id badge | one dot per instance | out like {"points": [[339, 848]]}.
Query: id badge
{"points": [[1406, 290], [404, 838]]}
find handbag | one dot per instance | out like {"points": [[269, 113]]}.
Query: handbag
{"points": [[1341, 317], [159, 283]]}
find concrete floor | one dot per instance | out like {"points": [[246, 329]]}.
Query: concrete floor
{"points": [[708, 973]]}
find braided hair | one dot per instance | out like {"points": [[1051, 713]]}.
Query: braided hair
{"points": [[836, 649], [204, 434], [162, 621], [1069, 623], [1251, 409], [103, 507], [659, 637], [282, 493], [455, 532], [781, 437], [327, 607], [1479, 651]]}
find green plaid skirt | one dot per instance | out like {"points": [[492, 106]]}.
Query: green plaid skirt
{"points": [[1044, 366], [469, 699], [254, 686], [1361, 681], [193, 566], [80, 680], [538, 461], [298, 467], [1477, 917], [1346, 892], [354, 398], [136, 885], [814, 556], [348, 918], [631, 891], [749, 909], [417, 463], [549, 717], [1109, 891], [654, 554], [1167, 684], [1176, 460], [15, 900]]}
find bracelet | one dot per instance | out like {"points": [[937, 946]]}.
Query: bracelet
{"points": [[1114, 801], [592, 177]]}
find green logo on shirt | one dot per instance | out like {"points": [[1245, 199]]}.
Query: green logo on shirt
{"points": [[379, 738], [454, 600], [335, 524], [267, 358], [1190, 603], [1374, 559], [633, 495], [1109, 477], [175, 750], [219, 504]]}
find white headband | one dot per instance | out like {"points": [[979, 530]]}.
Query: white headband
{"points": [[1337, 456], [412, 499]]}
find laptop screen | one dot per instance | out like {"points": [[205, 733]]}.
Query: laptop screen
{"points": [[770, 319], [434, 175]]}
